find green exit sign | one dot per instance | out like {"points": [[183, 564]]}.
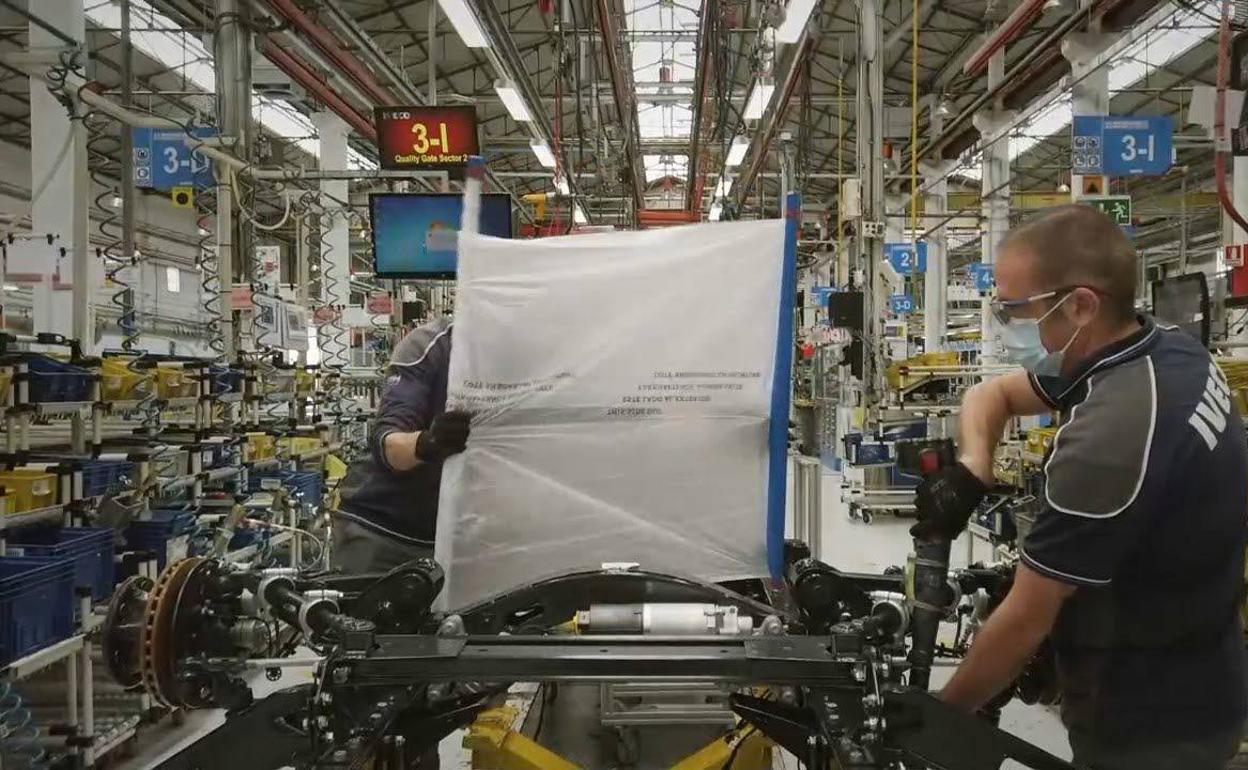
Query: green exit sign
{"points": [[1116, 207]]}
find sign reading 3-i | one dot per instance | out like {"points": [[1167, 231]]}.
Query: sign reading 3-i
{"points": [[422, 141]]}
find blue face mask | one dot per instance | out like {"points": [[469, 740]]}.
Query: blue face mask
{"points": [[1023, 346]]}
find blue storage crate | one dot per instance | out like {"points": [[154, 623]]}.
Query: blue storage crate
{"points": [[307, 483], [868, 453], [90, 549], [52, 380], [101, 477], [166, 534], [36, 604]]}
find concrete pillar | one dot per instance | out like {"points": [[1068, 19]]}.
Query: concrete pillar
{"points": [[936, 281], [995, 191], [61, 189], [1090, 93], [233, 83], [332, 132]]}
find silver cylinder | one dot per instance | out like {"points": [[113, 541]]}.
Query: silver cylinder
{"points": [[808, 502], [664, 619]]}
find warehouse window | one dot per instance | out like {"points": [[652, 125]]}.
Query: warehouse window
{"points": [[173, 279]]}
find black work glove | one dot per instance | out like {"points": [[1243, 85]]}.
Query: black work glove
{"points": [[447, 435], [944, 501]]}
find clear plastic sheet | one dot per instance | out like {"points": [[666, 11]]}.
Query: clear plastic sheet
{"points": [[621, 386]]}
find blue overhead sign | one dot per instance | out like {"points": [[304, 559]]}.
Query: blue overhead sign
{"points": [[901, 303], [163, 160], [982, 276], [1121, 146], [906, 257]]}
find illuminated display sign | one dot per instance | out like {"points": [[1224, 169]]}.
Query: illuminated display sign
{"points": [[426, 138]]}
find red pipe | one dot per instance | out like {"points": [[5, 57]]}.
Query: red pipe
{"points": [[329, 45], [1010, 29], [667, 216], [316, 86], [1219, 118]]}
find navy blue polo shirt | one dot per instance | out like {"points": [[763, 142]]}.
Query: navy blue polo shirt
{"points": [[1145, 510]]}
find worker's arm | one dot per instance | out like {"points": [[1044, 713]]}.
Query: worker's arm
{"points": [[943, 502], [408, 431], [986, 409], [1008, 640]]}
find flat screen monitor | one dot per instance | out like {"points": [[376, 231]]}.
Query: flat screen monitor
{"points": [[415, 235]]}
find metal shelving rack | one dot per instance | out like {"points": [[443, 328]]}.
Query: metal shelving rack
{"points": [[102, 718]]}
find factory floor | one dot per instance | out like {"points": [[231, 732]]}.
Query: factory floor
{"points": [[846, 543]]}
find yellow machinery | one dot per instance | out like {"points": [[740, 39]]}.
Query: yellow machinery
{"points": [[901, 378], [495, 745]]}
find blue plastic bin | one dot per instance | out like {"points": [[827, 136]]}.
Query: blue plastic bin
{"points": [[52, 380], [36, 604], [166, 534], [226, 380], [308, 483], [101, 477], [89, 548]]}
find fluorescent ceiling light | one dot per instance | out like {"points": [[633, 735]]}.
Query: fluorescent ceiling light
{"points": [[543, 153], [578, 215], [716, 211], [561, 184], [513, 101], [796, 14], [464, 20], [736, 153], [760, 97], [725, 187], [11, 287]]}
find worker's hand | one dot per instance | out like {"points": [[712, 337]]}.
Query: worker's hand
{"points": [[944, 501], [446, 436]]}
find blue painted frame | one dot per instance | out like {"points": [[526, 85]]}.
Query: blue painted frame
{"points": [[781, 392]]}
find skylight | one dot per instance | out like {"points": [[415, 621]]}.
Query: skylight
{"points": [[663, 72], [186, 56]]}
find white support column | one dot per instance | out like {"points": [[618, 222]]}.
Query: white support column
{"points": [[995, 195], [61, 188], [1090, 93], [332, 132]]}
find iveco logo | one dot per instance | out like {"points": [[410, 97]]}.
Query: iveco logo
{"points": [[1209, 419]]}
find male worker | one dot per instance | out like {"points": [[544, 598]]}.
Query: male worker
{"points": [[1134, 566], [389, 500]]}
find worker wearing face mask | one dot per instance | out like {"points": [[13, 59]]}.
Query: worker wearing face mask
{"points": [[1134, 567]]}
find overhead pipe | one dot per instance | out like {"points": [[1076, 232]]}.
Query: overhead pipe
{"points": [[316, 86], [805, 48], [626, 114], [361, 38], [329, 45], [1008, 31], [705, 59]]}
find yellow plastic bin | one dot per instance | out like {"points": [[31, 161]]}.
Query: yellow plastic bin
{"points": [[118, 382], [28, 489], [260, 446], [173, 381]]}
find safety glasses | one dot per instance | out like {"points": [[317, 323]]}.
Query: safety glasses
{"points": [[1003, 309]]}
